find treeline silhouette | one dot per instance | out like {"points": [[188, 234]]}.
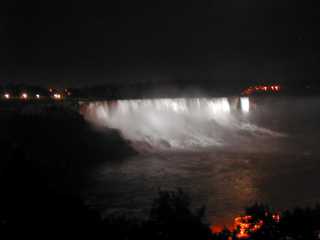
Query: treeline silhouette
{"points": [[131, 90], [44, 159]]}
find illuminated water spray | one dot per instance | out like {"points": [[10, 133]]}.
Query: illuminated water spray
{"points": [[176, 123], [245, 104]]}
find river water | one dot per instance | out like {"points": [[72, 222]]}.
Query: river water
{"points": [[226, 153]]}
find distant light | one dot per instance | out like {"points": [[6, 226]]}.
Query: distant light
{"points": [[276, 217], [50, 90], [6, 96], [37, 96], [245, 104], [57, 96], [24, 95]]}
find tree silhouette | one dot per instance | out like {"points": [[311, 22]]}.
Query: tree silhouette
{"points": [[171, 217]]}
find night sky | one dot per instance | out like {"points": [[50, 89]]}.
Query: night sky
{"points": [[230, 42]]}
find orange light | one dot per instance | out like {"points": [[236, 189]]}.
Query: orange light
{"points": [[216, 229], [244, 226], [259, 88], [57, 96], [242, 234], [6, 96]]}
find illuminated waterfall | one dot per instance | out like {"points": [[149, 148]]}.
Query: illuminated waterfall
{"points": [[245, 104], [174, 123]]}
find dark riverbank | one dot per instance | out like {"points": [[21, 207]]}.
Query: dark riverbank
{"points": [[58, 142]]}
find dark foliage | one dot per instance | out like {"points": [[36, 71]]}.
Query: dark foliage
{"points": [[301, 223], [171, 217], [298, 224], [270, 228]]}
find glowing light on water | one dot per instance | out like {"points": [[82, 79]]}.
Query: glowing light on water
{"points": [[245, 104]]}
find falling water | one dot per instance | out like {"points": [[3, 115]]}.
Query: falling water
{"points": [[179, 123]]}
